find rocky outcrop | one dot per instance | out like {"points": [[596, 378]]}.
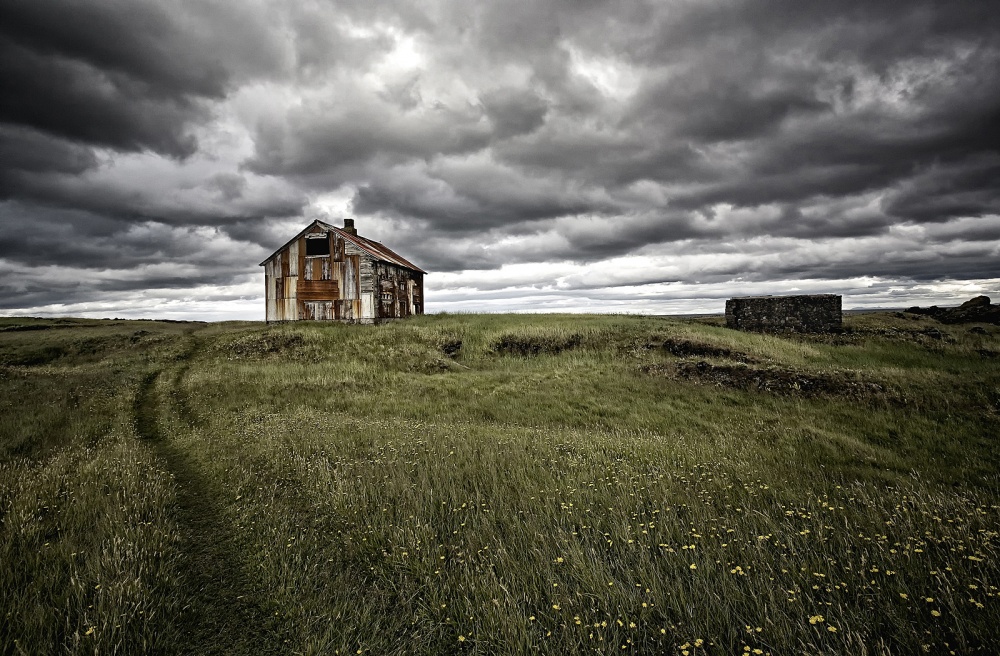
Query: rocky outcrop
{"points": [[976, 310]]}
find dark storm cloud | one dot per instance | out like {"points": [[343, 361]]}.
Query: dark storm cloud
{"points": [[82, 81], [473, 194], [74, 100], [27, 154], [514, 112], [43, 236], [742, 139], [25, 151], [944, 191], [335, 136], [736, 104], [121, 74]]}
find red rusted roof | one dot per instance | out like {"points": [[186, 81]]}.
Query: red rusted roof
{"points": [[373, 248]]}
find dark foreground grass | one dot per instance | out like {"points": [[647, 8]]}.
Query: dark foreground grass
{"points": [[498, 484]]}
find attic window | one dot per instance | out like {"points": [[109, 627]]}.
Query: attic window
{"points": [[318, 246]]}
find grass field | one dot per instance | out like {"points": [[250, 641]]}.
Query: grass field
{"points": [[491, 484]]}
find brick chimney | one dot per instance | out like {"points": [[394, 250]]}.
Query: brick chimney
{"points": [[349, 226]]}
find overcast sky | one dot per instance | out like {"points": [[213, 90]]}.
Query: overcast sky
{"points": [[572, 155]]}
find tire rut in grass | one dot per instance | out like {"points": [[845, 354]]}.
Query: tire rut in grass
{"points": [[224, 613]]}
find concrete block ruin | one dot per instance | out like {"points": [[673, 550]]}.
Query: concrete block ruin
{"points": [[813, 313]]}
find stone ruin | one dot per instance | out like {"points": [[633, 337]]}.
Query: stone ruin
{"points": [[814, 313]]}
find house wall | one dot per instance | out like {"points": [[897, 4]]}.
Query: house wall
{"points": [[811, 313], [346, 285], [400, 292]]}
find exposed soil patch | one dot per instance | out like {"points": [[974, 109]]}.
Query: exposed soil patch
{"points": [[16, 328], [451, 347], [36, 357], [774, 380], [684, 348], [530, 345]]}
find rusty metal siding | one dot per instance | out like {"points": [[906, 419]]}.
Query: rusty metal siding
{"points": [[336, 247], [418, 293], [399, 291], [368, 306], [351, 268], [281, 305], [386, 294], [318, 290], [367, 275], [344, 311], [317, 310], [293, 259]]}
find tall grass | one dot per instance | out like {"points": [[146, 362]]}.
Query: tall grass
{"points": [[498, 484], [88, 544]]}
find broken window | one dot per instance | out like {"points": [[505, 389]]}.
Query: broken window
{"points": [[317, 246]]}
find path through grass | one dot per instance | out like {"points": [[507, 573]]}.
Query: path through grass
{"points": [[224, 613]]}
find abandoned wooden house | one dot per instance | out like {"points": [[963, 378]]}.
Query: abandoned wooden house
{"points": [[330, 273]]}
